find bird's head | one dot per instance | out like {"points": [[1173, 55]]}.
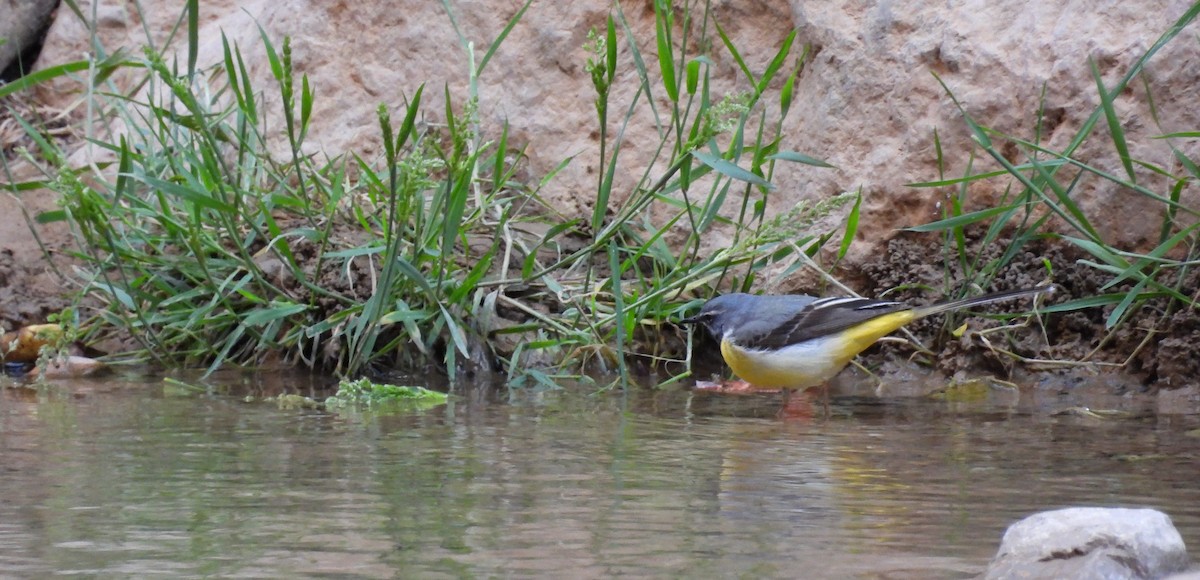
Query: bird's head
{"points": [[717, 314]]}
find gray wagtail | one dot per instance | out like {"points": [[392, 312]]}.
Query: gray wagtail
{"points": [[797, 342]]}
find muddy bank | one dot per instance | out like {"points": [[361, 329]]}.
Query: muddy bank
{"points": [[1152, 347], [1057, 354], [1070, 344]]}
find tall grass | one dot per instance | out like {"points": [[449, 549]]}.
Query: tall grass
{"points": [[205, 249], [1040, 203], [719, 157]]}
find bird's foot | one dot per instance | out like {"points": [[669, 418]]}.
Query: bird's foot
{"points": [[738, 387], [800, 405]]}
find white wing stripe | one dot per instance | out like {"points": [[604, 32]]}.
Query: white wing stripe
{"points": [[831, 302], [855, 303], [878, 305]]}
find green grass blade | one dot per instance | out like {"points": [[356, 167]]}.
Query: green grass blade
{"points": [[961, 220], [193, 34], [272, 56], [278, 311], [604, 191], [1140, 190], [1118, 313], [1181, 134], [851, 227], [512, 23], [1157, 255], [610, 40], [456, 204], [1168, 221], [693, 75], [457, 336], [1114, 124], [666, 53], [1076, 218], [1187, 164], [306, 106], [789, 90], [1054, 163], [410, 119], [1099, 251], [639, 64], [776, 64], [796, 157], [730, 169], [43, 75], [618, 310], [733, 51], [198, 197]]}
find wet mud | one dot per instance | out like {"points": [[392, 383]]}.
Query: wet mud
{"points": [[1152, 348]]}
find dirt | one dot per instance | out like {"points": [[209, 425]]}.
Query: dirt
{"points": [[31, 288], [1154, 346]]}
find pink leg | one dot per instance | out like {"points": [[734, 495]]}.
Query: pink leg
{"points": [[800, 405]]}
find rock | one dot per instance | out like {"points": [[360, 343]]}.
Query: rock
{"points": [[22, 25], [1184, 400], [867, 100], [69, 367], [1097, 543]]}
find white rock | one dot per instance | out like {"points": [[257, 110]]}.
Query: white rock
{"points": [[1095, 543]]}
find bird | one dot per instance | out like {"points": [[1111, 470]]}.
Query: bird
{"points": [[795, 342]]}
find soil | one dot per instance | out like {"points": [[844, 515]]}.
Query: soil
{"points": [[1153, 347], [31, 287]]}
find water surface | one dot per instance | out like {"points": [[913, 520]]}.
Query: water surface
{"points": [[129, 477]]}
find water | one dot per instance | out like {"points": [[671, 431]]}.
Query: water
{"points": [[127, 478]]}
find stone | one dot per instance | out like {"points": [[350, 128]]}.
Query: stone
{"points": [[867, 100], [22, 25], [1097, 543], [1180, 400]]}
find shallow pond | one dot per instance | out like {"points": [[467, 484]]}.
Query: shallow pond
{"points": [[134, 478]]}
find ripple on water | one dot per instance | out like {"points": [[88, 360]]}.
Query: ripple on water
{"points": [[125, 481]]}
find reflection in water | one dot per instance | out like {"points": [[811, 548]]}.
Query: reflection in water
{"points": [[123, 479]]}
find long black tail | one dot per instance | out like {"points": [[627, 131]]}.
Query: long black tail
{"points": [[985, 299]]}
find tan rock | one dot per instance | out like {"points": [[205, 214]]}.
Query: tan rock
{"points": [[69, 367], [867, 102]]}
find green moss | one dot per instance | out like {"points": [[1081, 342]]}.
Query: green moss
{"points": [[366, 394]]}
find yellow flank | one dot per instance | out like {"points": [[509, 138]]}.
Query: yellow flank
{"points": [[812, 362], [858, 338]]}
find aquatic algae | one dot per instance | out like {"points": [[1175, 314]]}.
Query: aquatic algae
{"points": [[376, 396]]}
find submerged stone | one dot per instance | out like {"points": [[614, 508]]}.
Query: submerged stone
{"points": [[1099, 543]]}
